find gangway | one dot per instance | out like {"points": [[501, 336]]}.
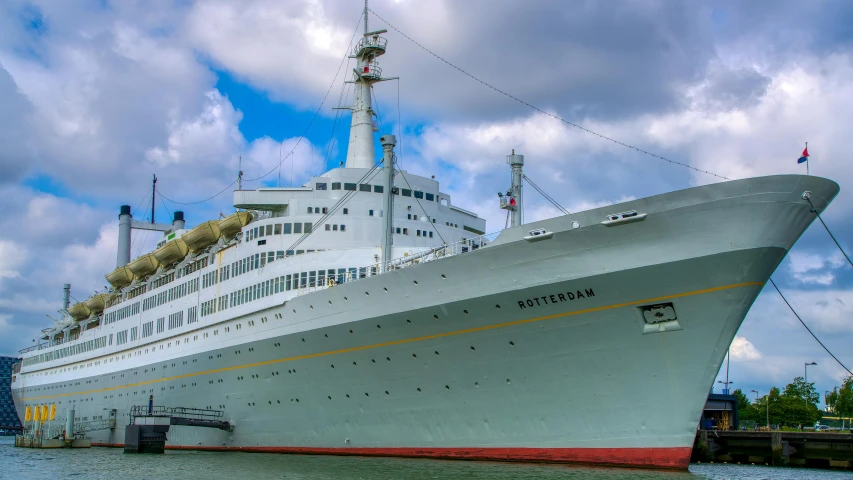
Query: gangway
{"points": [[149, 425]]}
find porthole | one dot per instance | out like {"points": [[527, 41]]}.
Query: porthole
{"points": [[465, 312], [508, 382], [379, 326], [355, 364], [333, 366], [436, 353], [326, 335], [497, 306], [387, 359], [346, 299], [511, 344], [366, 395], [443, 276], [303, 340], [419, 389], [385, 288], [373, 360], [414, 356], [330, 302], [312, 307], [408, 321], [367, 293], [415, 282], [350, 331], [477, 384], [472, 347], [435, 317], [348, 395], [330, 397], [447, 387], [386, 392]]}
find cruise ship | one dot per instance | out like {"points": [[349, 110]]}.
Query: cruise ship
{"points": [[364, 313]]}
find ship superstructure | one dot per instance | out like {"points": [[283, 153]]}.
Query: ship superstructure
{"points": [[365, 313]]}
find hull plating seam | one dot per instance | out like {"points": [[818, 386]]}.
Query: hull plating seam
{"points": [[408, 340], [672, 457]]}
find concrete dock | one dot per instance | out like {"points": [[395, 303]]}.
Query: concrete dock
{"points": [[807, 449]]}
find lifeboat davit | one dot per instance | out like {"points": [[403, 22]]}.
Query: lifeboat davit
{"points": [[201, 236], [232, 224], [79, 311], [144, 265], [120, 277], [97, 303], [171, 252]]}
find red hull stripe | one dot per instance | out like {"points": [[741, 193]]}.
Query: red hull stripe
{"points": [[674, 457]]}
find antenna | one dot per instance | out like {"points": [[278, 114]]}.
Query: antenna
{"points": [[153, 196], [365, 18], [240, 174]]}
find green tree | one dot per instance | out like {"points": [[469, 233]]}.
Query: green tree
{"points": [[742, 400], [802, 390], [844, 402], [832, 399]]}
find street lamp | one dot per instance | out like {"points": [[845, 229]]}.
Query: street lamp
{"points": [[726, 383], [767, 406], [806, 368]]}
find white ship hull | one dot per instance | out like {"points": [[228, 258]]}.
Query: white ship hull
{"points": [[517, 351]]}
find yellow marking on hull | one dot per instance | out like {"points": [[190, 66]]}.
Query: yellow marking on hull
{"points": [[407, 340]]}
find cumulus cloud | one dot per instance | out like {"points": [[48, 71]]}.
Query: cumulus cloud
{"points": [[814, 268], [743, 349]]}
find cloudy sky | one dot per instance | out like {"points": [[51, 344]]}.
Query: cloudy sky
{"points": [[98, 95]]}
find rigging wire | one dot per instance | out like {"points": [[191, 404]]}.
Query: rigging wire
{"points": [[547, 197], [164, 206], [429, 220], [814, 210], [809, 329], [200, 201], [399, 125], [316, 112], [575, 125]]}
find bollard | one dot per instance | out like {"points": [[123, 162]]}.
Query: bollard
{"points": [[69, 427]]}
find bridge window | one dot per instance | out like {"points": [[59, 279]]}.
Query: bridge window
{"points": [[370, 212], [349, 186], [346, 211], [286, 228], [430, 197], [320, 186], [297, 228], [343, 228], [328, 227], [378, 189], [310, 210], [419, 194], [336, 185], [407, 192], [277, 229], [363, 187]]}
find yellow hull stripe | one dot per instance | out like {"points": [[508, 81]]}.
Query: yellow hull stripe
{"points": [[406, 340]]}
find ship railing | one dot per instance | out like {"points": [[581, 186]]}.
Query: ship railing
{"points": [[370, 42], [437, 253], [183, 412], [29, 349]]}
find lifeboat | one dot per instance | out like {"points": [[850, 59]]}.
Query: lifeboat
{"points": [[171, 252], [79, 311], [201, 236], [144, 265], [120, 277], [97, 303], [232, 224]]}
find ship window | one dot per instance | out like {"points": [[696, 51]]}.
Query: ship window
{"points": [[405, 231], [419, 233], [363, 187], [289, 253], [430, 197], [303, 279], [255, 232], [430, 234], [334, 228], [269, 229], [343, 228], [312, 278], [307, 227], [286, 228], [443, 202], [398, 229], [300, 252], [310, 210], [407, 192], [287, 283], [370, 212], [297, 228], [320, 186], [336, 185], [419, 194], [262, 242], [346, 211], [409, 216], [349, 186], [279, 254], [277, 229], [328, 227], [378, 189]]}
